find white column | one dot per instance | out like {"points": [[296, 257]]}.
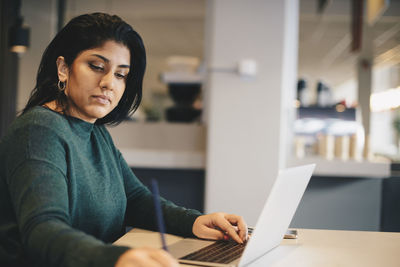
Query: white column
{"points": [[248, 119]]}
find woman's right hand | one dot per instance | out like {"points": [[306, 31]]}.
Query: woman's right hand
{"points": [[148, 257]]}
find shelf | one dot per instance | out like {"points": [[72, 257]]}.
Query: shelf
{"points": [[164, 159], [350, 168], [166, 145], [161, 145]]}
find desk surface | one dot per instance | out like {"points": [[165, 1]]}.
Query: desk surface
{"points": [[312, 248]]}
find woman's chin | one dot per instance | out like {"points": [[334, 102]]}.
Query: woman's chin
{"points": [[98, 112], [102, 110]]}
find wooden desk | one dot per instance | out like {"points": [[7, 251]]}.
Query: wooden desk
{"points": [[313, 248]]}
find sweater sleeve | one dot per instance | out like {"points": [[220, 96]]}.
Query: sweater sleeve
{"points": [[39, 192], [140, 207]]}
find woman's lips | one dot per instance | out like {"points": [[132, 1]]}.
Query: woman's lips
{"points": [[102, 99]]}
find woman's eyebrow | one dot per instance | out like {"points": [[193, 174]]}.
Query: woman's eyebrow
{"points": [[107, 60]]}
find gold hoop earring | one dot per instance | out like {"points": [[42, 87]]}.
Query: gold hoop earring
{"points": [[61, 85]]}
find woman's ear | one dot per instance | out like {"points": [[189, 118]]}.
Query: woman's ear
{"points": [[62, 69]]}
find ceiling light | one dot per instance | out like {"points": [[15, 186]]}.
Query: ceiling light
{"points": [[18, 37]]}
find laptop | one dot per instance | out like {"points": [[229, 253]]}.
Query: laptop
{"points": [[269, 230]]}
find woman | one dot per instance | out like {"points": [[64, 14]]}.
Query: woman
{"points": [[66, 192]]}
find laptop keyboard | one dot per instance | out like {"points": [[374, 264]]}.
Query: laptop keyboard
{"points": [[219, 252]]}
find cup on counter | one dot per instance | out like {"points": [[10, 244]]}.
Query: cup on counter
{"points": [[342, 147], [299, 146], [354, 151], [326, 146]]}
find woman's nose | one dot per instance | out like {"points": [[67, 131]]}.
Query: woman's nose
{"points": [[107, 81]]}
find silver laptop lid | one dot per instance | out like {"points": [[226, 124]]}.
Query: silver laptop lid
{"points": [[278, 212]]}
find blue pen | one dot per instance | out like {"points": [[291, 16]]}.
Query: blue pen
{"points": [[157, 207]]}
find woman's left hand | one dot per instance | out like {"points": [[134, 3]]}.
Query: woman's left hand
{"points": [[219, 225]]}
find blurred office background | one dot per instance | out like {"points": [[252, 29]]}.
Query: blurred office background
{"points": [[236, 90]]}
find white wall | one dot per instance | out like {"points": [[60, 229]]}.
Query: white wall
{"points": [[248, 119]]}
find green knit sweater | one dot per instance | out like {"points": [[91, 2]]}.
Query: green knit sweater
{"points": [[66, 193]]}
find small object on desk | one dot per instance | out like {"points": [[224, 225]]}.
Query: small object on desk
{"points": [[158, 211], [250, 230], [290, 233]]}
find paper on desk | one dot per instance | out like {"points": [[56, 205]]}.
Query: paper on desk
{"points": [[144, 238]]}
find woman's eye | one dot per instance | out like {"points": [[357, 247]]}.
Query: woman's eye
{"points": [[96, 67], [120, 75]]}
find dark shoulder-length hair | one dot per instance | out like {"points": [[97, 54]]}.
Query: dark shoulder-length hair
{"points": [[82, 33]]}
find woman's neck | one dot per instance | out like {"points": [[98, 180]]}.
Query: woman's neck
{"points": [[53, 106]]}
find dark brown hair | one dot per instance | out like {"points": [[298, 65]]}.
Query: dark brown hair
{"points": [[86, 32]]}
